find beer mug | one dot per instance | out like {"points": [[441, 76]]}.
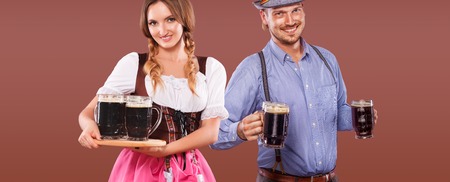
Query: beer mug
{"points": [[109, 115], [362, 118], [139, 117], [275, 123]]}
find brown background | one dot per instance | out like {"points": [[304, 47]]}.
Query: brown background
{"points": [[56, 54]]}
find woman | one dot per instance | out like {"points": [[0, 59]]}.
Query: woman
{"points": [[173, 81]]}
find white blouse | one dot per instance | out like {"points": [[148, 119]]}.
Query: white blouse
{"points": [[175, 92]]}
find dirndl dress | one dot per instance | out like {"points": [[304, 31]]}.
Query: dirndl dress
{"points": [[189, 166], [138, 167]]}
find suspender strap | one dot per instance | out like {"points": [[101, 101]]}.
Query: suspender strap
{"points": [[324, 61], [267, 95], [202, 64], [140, 78], [264, 75]]}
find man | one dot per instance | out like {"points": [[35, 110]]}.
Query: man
{"points": [[312, 87]]}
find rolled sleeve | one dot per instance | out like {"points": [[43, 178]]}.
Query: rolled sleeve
{"points": [[216, 78], [241, 98]]}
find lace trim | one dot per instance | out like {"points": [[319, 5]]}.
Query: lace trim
{"points": [[181, 83], [212, 112]]}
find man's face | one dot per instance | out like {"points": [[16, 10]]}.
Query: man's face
{"points": [[285, 23]]}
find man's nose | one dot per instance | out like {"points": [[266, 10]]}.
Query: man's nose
{"points": [[289, 19]]}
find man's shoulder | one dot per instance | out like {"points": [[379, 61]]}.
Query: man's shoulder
{"points": [[325, 52], [250, 61], [321, 49]]}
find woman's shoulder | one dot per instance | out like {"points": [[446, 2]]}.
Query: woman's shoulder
{"points": [[129, 60], [212, 64], [128, 63], [130, 57]]}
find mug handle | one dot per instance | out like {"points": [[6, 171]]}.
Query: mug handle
{"points": [[286, 124], [261, 135], [157, 123], [96, 114]]}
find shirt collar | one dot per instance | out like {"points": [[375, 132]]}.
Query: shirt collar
{"points": [[281, 55]]}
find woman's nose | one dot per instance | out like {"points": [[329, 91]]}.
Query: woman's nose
{"points": [[162, 30]]}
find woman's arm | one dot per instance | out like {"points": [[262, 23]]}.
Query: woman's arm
{"points": [[88, 125]]}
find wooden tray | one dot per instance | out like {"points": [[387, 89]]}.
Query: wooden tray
{"points": [[128, 143]]}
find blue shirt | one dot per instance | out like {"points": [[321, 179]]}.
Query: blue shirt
{"points": [[317, 105]]}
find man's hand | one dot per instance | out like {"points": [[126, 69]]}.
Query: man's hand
{"points": [[250, 127]]}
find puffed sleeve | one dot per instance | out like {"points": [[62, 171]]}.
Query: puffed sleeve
{"points": [[122, 79], [216, 78]]}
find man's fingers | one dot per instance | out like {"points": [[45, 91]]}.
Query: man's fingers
{"points": [[253, 132], [251, 138], [252, 118]]}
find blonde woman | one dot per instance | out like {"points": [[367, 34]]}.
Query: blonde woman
{"points": [[192, 100]]}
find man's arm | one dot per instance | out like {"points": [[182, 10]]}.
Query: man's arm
{"points": [[241, 98]]}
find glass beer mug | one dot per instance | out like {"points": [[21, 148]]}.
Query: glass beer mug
{"points": [[109, 115], [362, 118], [275, 123], [139, 117]]}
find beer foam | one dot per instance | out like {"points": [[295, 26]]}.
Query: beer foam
{"points": [[139, 105], [111, 98], [277, 109], [362, 103]]}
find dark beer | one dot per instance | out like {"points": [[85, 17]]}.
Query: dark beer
{"points": [[275, 124], [362, 117], [139, 122], [111, 116]]}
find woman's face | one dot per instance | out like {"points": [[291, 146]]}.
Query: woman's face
{"points": [[163, 27]]}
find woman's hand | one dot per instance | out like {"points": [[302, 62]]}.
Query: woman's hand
{"points": [[88, 135]]}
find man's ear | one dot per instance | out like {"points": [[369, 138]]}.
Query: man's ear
{"points": [[263, 15]]}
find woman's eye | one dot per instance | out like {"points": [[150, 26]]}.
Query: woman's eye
{"points": [[171, 19]]}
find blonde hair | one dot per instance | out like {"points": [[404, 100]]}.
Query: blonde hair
{"points": [[183, 12]]}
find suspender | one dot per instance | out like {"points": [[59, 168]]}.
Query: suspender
{"points": [[324, 61], [264, 76], [267, 95]]}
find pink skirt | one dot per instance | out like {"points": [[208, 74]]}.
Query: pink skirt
{"points": [[134, 166]]}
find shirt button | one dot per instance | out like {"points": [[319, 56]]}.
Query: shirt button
{"points": [[314, 124], [310, 105], [307, 86], [320, 162], [295, 69], [317, 143]]}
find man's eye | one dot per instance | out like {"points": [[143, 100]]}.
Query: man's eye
{"points": [[297, 10]]}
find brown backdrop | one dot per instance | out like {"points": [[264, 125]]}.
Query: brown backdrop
{"points": [[55, 55]]}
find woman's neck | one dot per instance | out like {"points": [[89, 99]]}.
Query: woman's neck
{"points": [[175, 53]]}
